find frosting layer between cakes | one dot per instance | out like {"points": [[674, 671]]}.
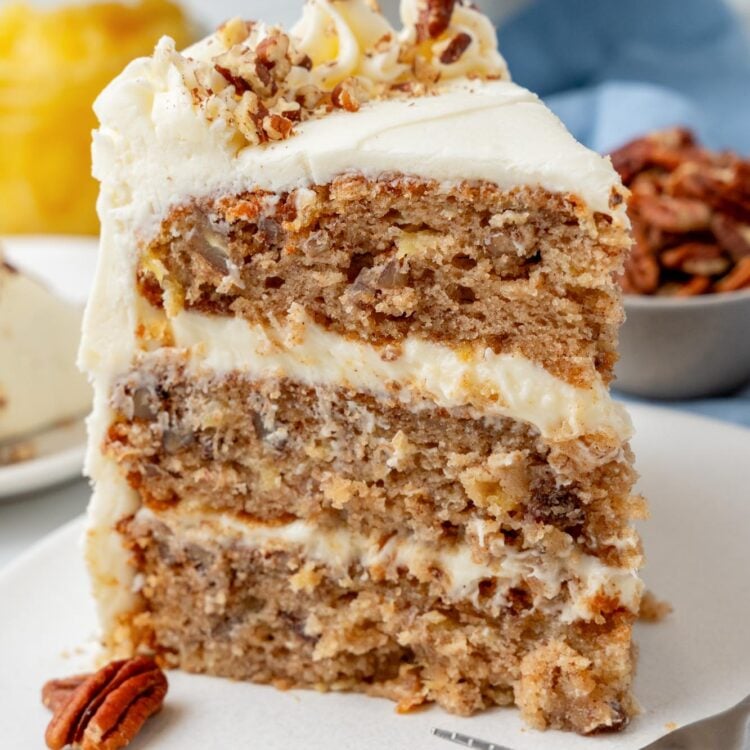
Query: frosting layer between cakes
{"points": [[585, 576], [496, 384]]}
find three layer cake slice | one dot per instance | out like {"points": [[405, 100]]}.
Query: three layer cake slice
{"points": [[352, 333]]}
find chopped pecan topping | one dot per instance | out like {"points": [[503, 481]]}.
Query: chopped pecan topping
{"points": [[690, 210], [344, 96], [456, 47], [277, 127], [104, 710], [434, 18]]}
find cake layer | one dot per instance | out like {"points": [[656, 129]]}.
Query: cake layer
{"points": [[523, 271], [220, 606], [571, 585], [275, 447]]}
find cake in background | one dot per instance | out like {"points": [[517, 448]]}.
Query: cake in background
{"points": [[351, 339], [40, 385], [53, 63]]}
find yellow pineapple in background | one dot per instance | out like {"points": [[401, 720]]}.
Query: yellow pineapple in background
{"points": [[53, 64]]}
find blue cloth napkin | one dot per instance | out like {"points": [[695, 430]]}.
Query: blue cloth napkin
{"points": [[613, 70]]}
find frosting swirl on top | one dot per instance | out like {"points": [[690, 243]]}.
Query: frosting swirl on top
{"points": [[341, 54], [352, 38]]}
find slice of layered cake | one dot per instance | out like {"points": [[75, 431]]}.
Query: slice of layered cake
{"points": [[352, 333], [40, 386]]}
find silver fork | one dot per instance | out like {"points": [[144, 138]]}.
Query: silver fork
{"points": [[466, 741], [728, 730]]}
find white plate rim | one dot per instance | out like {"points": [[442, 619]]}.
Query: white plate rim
{"points": [[41, 472]]}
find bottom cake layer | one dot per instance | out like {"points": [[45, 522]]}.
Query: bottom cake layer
{"points": [[219, 606]]}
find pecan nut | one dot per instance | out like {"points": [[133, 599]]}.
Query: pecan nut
{"points": [[673, 214], [105, 710], [455, 49], [690, 213], [738, 278], [696, 258], [56, 693], [697, 285], [434, 18], [732, 235]]}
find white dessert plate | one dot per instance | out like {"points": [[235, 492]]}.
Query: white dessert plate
{"points": [[66, 265], [693, 664], [57, 456]]}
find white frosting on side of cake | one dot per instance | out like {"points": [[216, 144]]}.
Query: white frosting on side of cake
{"points": [[584, 576], [39, 335], [506, 385]]}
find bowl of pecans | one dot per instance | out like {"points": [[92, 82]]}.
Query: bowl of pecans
{"points": [[687, 280]]}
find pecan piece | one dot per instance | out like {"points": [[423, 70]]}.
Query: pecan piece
{"points": [[277, 127], [733, 236], [108, 708], [455, 49], [344, 96], [697, 285], [673, 214], [434, 18], [738, 278], [696, 258]]}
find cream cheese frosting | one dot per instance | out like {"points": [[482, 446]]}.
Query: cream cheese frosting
{"points": [[350, 37], [469, 130], [498, 384]]}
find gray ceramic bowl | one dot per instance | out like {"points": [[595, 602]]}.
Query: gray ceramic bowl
{"points": [[685, 348]]}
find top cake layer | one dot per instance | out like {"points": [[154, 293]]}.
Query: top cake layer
{"points": [[446, 121]]}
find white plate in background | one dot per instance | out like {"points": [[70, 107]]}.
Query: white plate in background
{"points": [[58, 457], [66, 264], [693, 664]]}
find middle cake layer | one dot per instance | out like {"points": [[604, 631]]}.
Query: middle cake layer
{"points": [[277, 449]]}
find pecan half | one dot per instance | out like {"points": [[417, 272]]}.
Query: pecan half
{"points": [[662, 149], [696, 258], [673, 214], [738, 278], [697, 285], [434, 18], [641, 274], [733, 236], [106, 709], [56, 693]]}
